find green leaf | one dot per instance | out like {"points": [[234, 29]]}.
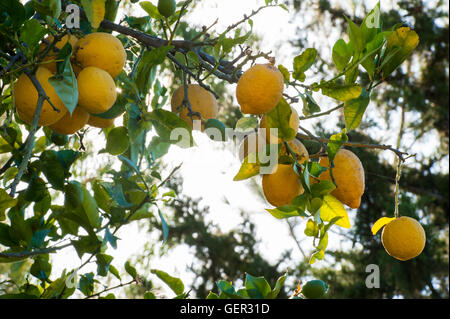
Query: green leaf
{"points": [[146, 69], [103, 262], [52, 169], [356, 36], [257, 287], [86, 284], [165, 227], [175, 284], [246, 124], [165, 122], [212, 295], [309, 105], [117, 142], [6, 202], [322, 188], [303, 62], [342, 53], [41, 267], [228, 289], [315, 169], [371, 24], [158, 147], [278, 286], [31, 33], [65, 84], [91, 209], [355, 109], [150, 295], [130, 270], [285, 72], [58, 289], [404, 41], [151, 9], [332, 208], [335, 143], [279, 118], [91, 9], [115, 190], [15, 10], [284, 211], [341, 92], [320, 254]]}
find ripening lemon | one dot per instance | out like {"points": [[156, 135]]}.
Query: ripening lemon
{"points": [[403, 238], [70, 124], [166, 7], [252, 143], [349, 176], [314, 289], [100, 122], [272, 137], [282, 186], [259, 89], [201, 100], [26, 97], [301, 153], [52, 55], [96, 90], [101, 50]]}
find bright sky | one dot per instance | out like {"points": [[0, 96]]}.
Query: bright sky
{"points": [[209, 168]]}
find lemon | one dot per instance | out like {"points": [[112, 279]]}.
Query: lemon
{"points": [[403, 238], [314, 289], [349, 176], [259, 89], [70, 124], [96, 90], [101, 50], [282, 186], [26, 97], [100, 122], [294, 121], [166, 7], [52, 55], [201, 100], [301, 153]]}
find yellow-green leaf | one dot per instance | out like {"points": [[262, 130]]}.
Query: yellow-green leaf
{"points": [[250, 167], [380, 223], [331, 208], [405, 41]]}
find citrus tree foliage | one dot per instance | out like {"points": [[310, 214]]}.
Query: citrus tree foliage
{"points": [[45, 207]]}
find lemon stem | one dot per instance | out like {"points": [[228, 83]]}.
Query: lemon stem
{"points": [[397, 179]]}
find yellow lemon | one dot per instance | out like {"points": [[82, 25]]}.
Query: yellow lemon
{"points": [[96, 90], [70, 124], [259, 89], [99, 122], [282, 186], [52, 55], [299, 149], [294, 121], [101, 50], [403, 238], [201, 100], [26, 97], [349, 176]]}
